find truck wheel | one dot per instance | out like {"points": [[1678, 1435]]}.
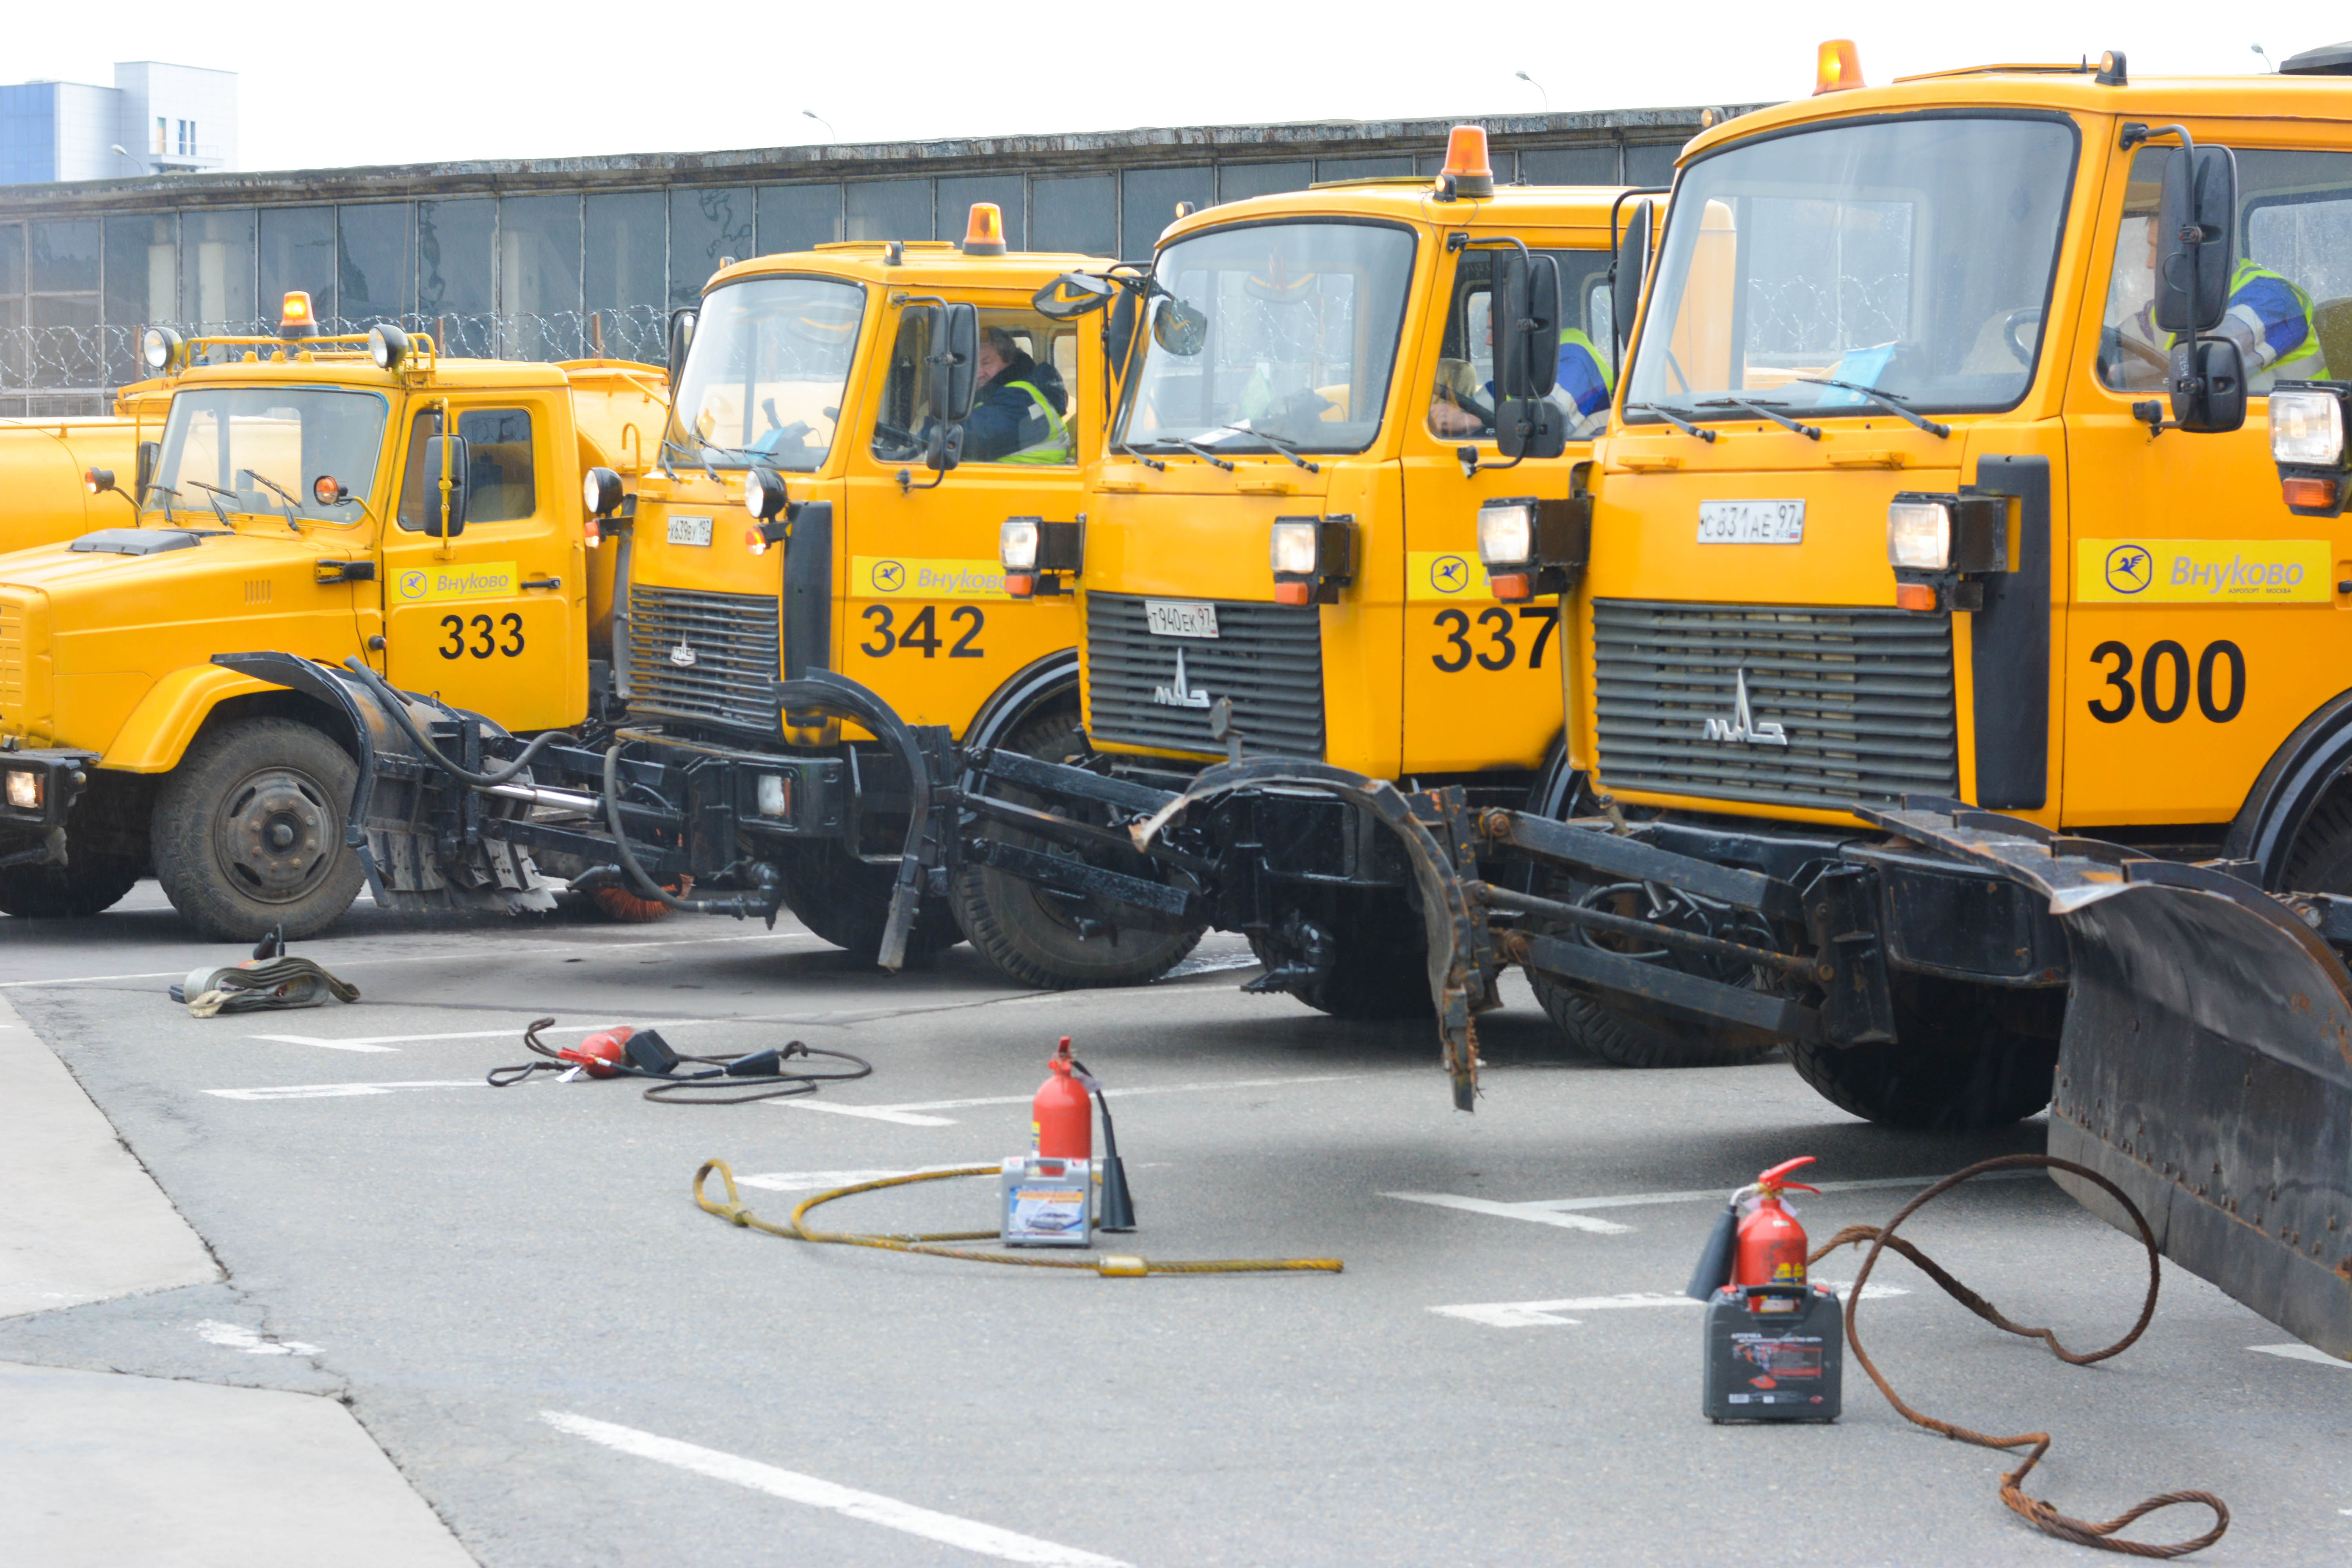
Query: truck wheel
{"points": [[846, 902], [1627, 1041], [1029, 935], [1959, 1066], [2321, 860], [248, 832], [89, 885]]}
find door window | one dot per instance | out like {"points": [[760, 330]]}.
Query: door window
{"points": [[1462, 392], [1025, 406], [501, 482]]}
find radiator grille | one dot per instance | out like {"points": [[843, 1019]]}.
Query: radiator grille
{"points": [[1864, 697], [732, 638], [12, 661], [1266, 658]]}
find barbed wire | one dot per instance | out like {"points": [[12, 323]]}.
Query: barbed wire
{"points": [[100, 357]]}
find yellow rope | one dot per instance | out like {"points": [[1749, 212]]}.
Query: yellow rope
{"points": [[1111, 1264]]}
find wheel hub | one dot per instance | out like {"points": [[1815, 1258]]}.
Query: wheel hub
{"points": [[275, 836]]}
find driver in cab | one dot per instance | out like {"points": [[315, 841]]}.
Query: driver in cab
{"points": [[1583, 390], [2269, 318], [1016, 415]]}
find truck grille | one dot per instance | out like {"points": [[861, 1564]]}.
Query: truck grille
{"points": [[731, 639], [1267, 658], [1864, 696], [12, 661]]}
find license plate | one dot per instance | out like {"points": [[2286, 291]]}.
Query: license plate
{"points": [[690, 530], [1751, 523], [1170, 618]]}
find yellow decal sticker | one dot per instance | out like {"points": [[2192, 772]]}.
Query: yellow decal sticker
{"points": [[918, 577], [473, 580], [2202, 572], [1444, 574]]}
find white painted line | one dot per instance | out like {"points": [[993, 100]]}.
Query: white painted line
{"points": [[340, 1090], [818, 1181], [905, 1113], [230, 1337], [792, 1487], [2304, 1352], [1537, 1213], [1540, 1314], [329, 1044]]}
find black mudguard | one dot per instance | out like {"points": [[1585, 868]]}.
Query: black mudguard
{"points": [[2206, 1067]]}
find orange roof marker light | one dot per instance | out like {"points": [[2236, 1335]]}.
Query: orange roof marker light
{"points": [[983, 233], [296, 320], [1837, 67], [1467, 174]]}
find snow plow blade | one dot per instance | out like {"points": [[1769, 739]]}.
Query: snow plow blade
{"points": [[2206, 1065]]}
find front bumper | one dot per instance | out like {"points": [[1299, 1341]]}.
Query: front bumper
{"points": [[33, 834]]}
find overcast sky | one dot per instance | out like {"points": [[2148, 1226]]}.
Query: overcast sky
{"points": [[367, 84]]}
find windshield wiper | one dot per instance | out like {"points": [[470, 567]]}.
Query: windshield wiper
{"points": [[1277, 443], [1154, 464], [291, 521], [1671, 417], [167, 493], [1885, 400], [1194, 448], [215, 492], [1809, 432]]}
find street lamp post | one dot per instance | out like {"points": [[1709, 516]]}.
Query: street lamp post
{"points": [[1538, 87], [831, 134]]}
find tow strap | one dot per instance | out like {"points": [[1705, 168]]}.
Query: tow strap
{"points": [[271, 979]]}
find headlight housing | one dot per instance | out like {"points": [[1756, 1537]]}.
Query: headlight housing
{"points": [[2307, 429], [158, 346], [387, 346], [1506, 535], [25, 789], [1016, 544], [1292, 547], [774, 796], [763, 493], [1312, 558], [1919, 536]]}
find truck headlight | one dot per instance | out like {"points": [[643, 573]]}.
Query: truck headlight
{"points": [[763, 494], [2307, 429], [1016, 544], [387, 346], [1919, 536], [24, 790], [1293, 546], [156, 346], [775, 795], [1506, 535]]}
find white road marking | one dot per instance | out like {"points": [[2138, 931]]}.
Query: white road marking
{"points": [[386, 1041], [339, 1090], [792, 1487], [908, 1114], [228, 1336], [1566, 1213], [818, 1181], [1538, 1314], [2304, 1352], [329, 1044]]}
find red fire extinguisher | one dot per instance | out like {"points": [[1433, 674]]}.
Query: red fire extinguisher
{"points": [[1772, 1243], [1061, 1119]]}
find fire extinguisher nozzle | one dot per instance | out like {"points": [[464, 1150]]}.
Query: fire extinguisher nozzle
{"points": [[1713, 1270]]}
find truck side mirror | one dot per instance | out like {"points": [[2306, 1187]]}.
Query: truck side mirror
{"points": [[1529, 428], [954, 361], [1118, 334], [2195, 209], [445, 454], [681, 338], [151, 453], [2209, 386], [1626, 274], [1526, 308], [945, 448], [1071, 295]]}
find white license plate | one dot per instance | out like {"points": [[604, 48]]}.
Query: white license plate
{"points": [[690, 530], [1170, 618], [1751, 523]]}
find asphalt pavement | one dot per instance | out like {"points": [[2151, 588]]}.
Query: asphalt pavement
{"points": [[513, 1294]]}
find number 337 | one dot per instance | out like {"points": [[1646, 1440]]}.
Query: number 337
{"points": [[480, 637]]}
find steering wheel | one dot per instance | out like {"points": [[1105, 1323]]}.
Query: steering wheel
{"points": [[2009, 325]]}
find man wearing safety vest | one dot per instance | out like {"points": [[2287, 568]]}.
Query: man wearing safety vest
{"points": [[1016, 418], [2269, 318]]}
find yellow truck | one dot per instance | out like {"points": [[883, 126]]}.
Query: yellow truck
{"points": [[294, 499], [823, 503], [46, 493]]}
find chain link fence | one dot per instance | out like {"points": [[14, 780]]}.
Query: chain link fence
{"points": [[57, 372]]}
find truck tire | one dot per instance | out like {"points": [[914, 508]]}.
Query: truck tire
{"points": [[1627, 1041], [247, 832], [1024, 935], [90, 884], [846, 902], [1960, 1066], [2321, 860]]}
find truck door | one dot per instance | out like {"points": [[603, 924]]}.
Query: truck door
{"points": [[493, 619], [1480, 678], [925, 621], [2205, 621]]}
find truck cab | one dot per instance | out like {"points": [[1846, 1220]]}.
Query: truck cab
{"points": [[343, 499]]}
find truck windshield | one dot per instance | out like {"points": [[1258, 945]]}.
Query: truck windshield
{"points": [[263, 450], [764, 380], [1912, 256], [1287, 330]]}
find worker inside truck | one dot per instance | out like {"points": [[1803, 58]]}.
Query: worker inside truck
{"points": [[1021, 413], [1462, 401], [2295, 244]]}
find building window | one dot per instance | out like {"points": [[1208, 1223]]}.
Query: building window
{"points": [[187, 138], [162, 128]]}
